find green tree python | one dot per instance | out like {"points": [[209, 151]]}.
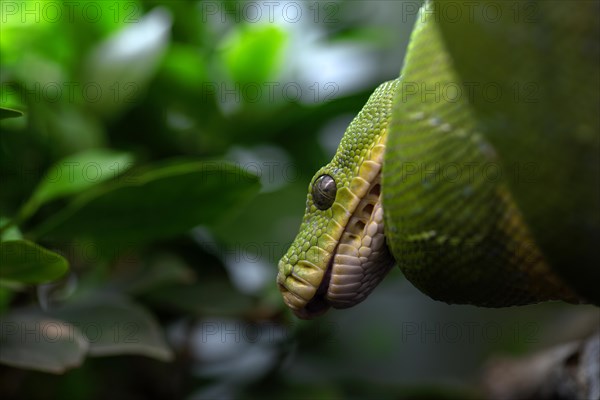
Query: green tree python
{"points": [[490, 203]]}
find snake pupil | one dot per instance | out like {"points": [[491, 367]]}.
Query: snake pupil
{"points": [[323, 193]]}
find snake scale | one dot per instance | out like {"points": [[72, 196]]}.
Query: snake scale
{"points": [[478, 202]]}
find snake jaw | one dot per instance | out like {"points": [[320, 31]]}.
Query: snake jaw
{"points": [[319, 304]]}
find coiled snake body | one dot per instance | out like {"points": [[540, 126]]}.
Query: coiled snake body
{"points": [[480, 205]]}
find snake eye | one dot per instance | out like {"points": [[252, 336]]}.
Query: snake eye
{"points": [[323, 192]]}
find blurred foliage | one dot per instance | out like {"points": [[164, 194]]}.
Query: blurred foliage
{"points": [[156, 176]]}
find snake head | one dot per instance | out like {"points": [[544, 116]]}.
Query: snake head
{"points": [[340, 253]]}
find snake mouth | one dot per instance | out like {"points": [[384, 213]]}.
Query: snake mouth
{"points": [[308, 309]]}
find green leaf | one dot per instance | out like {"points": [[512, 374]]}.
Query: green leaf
{"points": [[160, 270], [26, 262], [253, 53], [9, 113], [185, 66], [157, 203], [6, 296], [75, 174], [115, 325], [8, 230], [123, 75], [41, 343], [209, 297]]}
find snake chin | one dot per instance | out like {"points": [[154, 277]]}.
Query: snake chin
{"points": [[319, 304]]}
